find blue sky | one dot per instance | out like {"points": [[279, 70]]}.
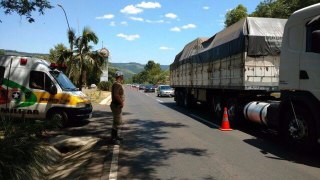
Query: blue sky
{"points": [[132, 30]]}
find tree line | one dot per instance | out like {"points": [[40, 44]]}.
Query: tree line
{"points": [[152, 74]]}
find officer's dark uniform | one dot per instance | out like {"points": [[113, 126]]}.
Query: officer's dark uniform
{"points": [[116, 109]]}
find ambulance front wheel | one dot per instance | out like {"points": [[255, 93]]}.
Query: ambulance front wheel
{"points": [[58, 116]]}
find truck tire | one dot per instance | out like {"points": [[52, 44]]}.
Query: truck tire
{"points": [[299, 131], [178, 98], [59, 116], [188, 100]]}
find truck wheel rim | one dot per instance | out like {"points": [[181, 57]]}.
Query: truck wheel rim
{"points": [[298, 129]]}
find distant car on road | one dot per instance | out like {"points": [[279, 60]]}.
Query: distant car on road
{"points": [[142, 87], [165, 90], [149, 88], [135, 85]]}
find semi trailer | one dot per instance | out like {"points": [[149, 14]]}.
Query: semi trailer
{"points": [[264, 70]]}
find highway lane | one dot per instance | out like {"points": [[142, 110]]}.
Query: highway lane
{"points": [[163, 141]]}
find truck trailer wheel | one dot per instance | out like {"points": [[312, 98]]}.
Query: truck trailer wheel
{"points": [[186, 100], [58, 116], [299, 127], [178, 98]]}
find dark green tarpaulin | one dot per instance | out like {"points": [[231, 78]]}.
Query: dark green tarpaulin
{"points": [[256, 36]]}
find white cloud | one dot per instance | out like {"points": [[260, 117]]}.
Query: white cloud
{"points": [[175, 29], [112, 23], [189, 26], [206, 7], [107, 16], [125, 23], [165, 48], [129, 37], [131, 9], [149, 5], [158, 21], [171, 15], [136, 19]]}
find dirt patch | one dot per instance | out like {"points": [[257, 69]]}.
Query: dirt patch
{"points": [[96, 95], [77, 153]]}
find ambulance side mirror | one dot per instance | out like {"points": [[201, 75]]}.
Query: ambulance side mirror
{"points": [[53, 89]]}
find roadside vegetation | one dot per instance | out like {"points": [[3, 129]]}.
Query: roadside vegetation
{"points": [[23, 152]]}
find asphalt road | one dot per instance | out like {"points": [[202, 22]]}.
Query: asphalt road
{"points": [[163, 141]]}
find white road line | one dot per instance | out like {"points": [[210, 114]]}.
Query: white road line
{"points": [[201, 119], [147, 94], [114, 163], [159, 100]]}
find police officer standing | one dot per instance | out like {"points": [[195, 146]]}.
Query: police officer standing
{"points": [[117, 95]]}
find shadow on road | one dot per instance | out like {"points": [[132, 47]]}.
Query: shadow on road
{"points": [[98, 126], [284, 152], [200, 111], [143, 152], [266, 139]]}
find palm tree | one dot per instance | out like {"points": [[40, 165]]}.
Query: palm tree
{"points": [[69, 54], [71, 38], [84, 59], [80, 58]]}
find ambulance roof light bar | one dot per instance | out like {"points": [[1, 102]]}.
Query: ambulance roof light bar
{"points": [[23, 61]]}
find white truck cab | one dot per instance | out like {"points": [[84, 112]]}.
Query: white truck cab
{"points": [[299, 75], [34, 88], [300, 52]]}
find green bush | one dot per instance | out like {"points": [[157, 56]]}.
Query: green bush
{"points": [[105, 85]]}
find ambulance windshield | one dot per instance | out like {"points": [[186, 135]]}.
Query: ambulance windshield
{"points": [[63, 81]]}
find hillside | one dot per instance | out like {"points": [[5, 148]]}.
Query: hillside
{"points": [[132, 68], [17, 53]]}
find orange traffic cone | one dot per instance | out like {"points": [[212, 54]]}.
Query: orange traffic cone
{"points": [[225, 126]]}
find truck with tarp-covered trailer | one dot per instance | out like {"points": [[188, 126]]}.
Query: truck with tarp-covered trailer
{"points": [[265, 70]]}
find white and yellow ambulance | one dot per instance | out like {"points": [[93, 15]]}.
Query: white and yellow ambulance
{"points": [[34, 88]]}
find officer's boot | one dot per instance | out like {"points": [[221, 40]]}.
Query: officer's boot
{"points": [[113, 134], [114, 139], [118, 137]]}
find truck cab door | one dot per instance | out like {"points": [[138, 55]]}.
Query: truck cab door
{"points": [[310, 59]]}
